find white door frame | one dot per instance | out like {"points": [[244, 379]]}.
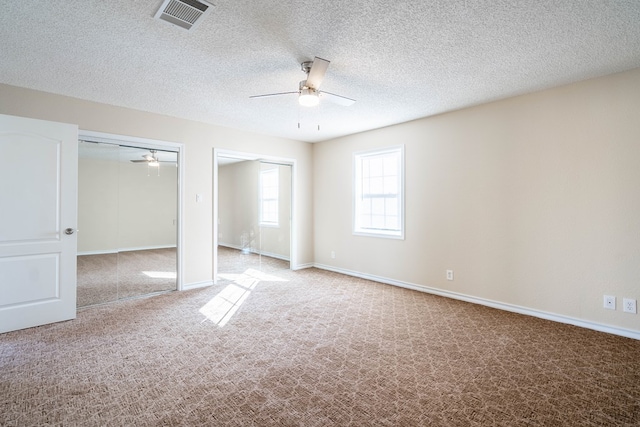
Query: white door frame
{"points": [[293, 252], [147, 143]]}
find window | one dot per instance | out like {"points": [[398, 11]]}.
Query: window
{"points": [[269, 187], [378, 192]]}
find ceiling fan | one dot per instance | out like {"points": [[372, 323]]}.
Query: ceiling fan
{"points": [[309, 93], [151, 159]]}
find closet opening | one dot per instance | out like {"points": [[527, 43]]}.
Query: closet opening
{"points": [[253, 214], [129, 230]]}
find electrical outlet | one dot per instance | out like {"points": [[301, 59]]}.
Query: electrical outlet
{"points": [[629, 305], [333, 254], [449, 274], [609, 302]]}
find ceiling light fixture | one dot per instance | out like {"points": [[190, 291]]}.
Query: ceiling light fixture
{"points": [[308, 97]]}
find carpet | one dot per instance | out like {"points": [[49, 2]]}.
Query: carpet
{"points": [[314, 348]]}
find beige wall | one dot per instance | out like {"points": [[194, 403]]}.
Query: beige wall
{"points": [[199, 140], [533, 201], [238, 209], [121, 206]]}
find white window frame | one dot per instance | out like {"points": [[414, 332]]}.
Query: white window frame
{"points": [[275, 223], [359, 194]]}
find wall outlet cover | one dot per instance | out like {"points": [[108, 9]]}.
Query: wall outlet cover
{"points": [[449, 274], [629, 305]]}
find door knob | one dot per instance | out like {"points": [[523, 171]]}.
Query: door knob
{"points": [[69, 231]]}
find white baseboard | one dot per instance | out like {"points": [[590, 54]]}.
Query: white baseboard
{"points": [[490, 303], [303, 266], [196, 285], [269, 254], [115, 251]]}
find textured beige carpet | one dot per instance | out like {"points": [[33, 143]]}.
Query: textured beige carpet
{"points": [[234, 261], [314, 348], [110, 277]]}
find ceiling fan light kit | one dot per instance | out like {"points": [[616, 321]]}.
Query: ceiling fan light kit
{"points": [[309, 92], [308, 97]]}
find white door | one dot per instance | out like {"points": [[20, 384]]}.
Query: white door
{"points": [[38, 198]]}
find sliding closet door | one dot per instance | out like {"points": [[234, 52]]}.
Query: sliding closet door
{"points": [[98, 207], [127, 208], [254, 215], [238, 227], [147, 217]]}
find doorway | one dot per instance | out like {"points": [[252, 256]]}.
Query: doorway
{"points": [[253, 213], [128, 218]]}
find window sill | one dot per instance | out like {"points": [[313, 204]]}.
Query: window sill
{"points": [[384, 235]]}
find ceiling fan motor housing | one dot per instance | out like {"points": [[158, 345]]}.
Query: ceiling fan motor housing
{"points": [[306, 66], [303, 85]]}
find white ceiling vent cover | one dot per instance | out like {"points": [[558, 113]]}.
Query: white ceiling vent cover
{"points": [[183, 13]]}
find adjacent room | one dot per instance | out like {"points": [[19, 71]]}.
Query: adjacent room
{"points": [[414, 213]]}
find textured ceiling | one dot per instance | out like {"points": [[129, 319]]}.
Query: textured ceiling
{"points": [[400, 60]]}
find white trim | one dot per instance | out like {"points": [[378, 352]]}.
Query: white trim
{"points": [[255, 252], [304, 266], [490, 303], [197, 285], [293, 245], [178, 147]]}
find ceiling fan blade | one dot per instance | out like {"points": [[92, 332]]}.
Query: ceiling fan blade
{"points": [[316, 74], [273, 94], [337, 99], [139, 161]]}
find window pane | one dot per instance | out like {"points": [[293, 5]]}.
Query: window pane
{"points": [[390, 185], [377, 221], [376, 167], [391, 164], [391, 206], [377, 206], [366, 185], [392, 222], [365, 168], [366, 206], [377, 186]]}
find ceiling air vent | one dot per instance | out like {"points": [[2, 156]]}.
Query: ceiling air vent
{"points": [[183, 13]]}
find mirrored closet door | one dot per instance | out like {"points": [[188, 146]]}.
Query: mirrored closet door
{"points": [[254, 215], [127, 216]]}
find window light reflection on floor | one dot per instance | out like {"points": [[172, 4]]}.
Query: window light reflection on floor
{"points": [[221, 308], [161, 274]]}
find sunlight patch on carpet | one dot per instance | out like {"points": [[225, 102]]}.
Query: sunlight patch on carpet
{"points": [[221, 308], [161, 274]]}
